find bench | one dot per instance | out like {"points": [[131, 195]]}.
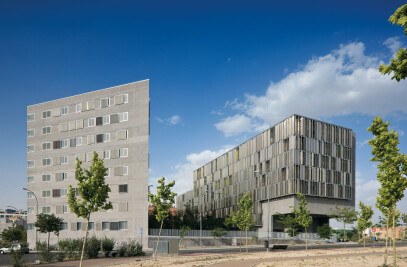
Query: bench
{"points": [[279, 247]]}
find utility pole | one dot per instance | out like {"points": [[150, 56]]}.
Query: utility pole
{"points": [[36, 232]]}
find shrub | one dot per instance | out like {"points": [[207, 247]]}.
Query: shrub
{"points": [[71, 247], [134, 249], [255, 239], [122, 249], [108, 245], [92, 247], [17, 257], [46, 254]]}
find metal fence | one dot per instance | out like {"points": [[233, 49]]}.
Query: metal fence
{"points": [[205, 233]]}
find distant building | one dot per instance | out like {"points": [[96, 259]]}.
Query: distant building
{"points": [[151, 209], [400, 232], [8, 217], [114, 122], [298, 154]]}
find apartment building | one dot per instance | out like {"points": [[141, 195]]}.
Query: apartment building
{"points": [[113, 122], [298, 154]]}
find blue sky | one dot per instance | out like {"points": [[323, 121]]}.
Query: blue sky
{"points": [[214, 69]]}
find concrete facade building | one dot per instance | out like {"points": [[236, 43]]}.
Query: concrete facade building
{"points": [[114, 122], [298, 154]]}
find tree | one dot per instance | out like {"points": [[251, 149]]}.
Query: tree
{"points": [[14, 233], [324, 231], [392, 169], [183, 232], [303, 216], [92, 190], [404, 219], [344, 215], [162, 201], [364, 220], [398, 64], [218, 232], [48, 223], [291, 223], [243, 217]]}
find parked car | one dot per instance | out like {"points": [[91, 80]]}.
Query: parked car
{"points": [[15, 246]]}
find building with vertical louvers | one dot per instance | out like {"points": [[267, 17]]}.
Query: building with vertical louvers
{"points": [[298, 154]]}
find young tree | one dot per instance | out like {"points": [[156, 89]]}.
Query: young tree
{"points": [[184, 230], [92, 190], [243, 217], [48, 223], [291, 223], [344, 215], [364, 220], [218, 232], [231, 220], [303, 216], [163, 201], [398, 64], [404, 219], [324, 231], [392, 169]]}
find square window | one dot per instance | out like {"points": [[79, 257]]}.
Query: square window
{"points": [[114, 226], [64, 110], [46, 146], [125, 170], [124, 116], [91, 122], [46, 130], [125, 98], [104, 102], [122, 225], [30, 148], [123, 152], [79, 141], [30, 117], [91, 226], [30, 226], [64, 159], [46, 193], [78, 226], [30, 179], [64, 143], [46, 177], [30, 133], [30, 210], [106, 119], [30, 164], [123, 188], [105, 226], [46, 162], [46, 114], [30, 195], [64, 226], [65, 209]]}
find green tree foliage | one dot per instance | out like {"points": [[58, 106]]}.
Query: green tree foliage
{"points": [[392, 170], [48, 223], [15, 233], [398, 65], [92, 190], [162, 201], [218, 233], [243, 217], [324, 231], [344, 215], [365, 219], [290, 223], [303, 216]]}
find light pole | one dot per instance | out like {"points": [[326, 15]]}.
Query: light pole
{"points": [[200, 219], [36, 232]]}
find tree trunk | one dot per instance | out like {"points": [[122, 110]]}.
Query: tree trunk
{"points": [[247, 246], [364, 240], [344, 235], [158, 240], [387, 233], [306, 239], [394, 236], [84, 242], [240, 241], [48, 241], [293, 238]]}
